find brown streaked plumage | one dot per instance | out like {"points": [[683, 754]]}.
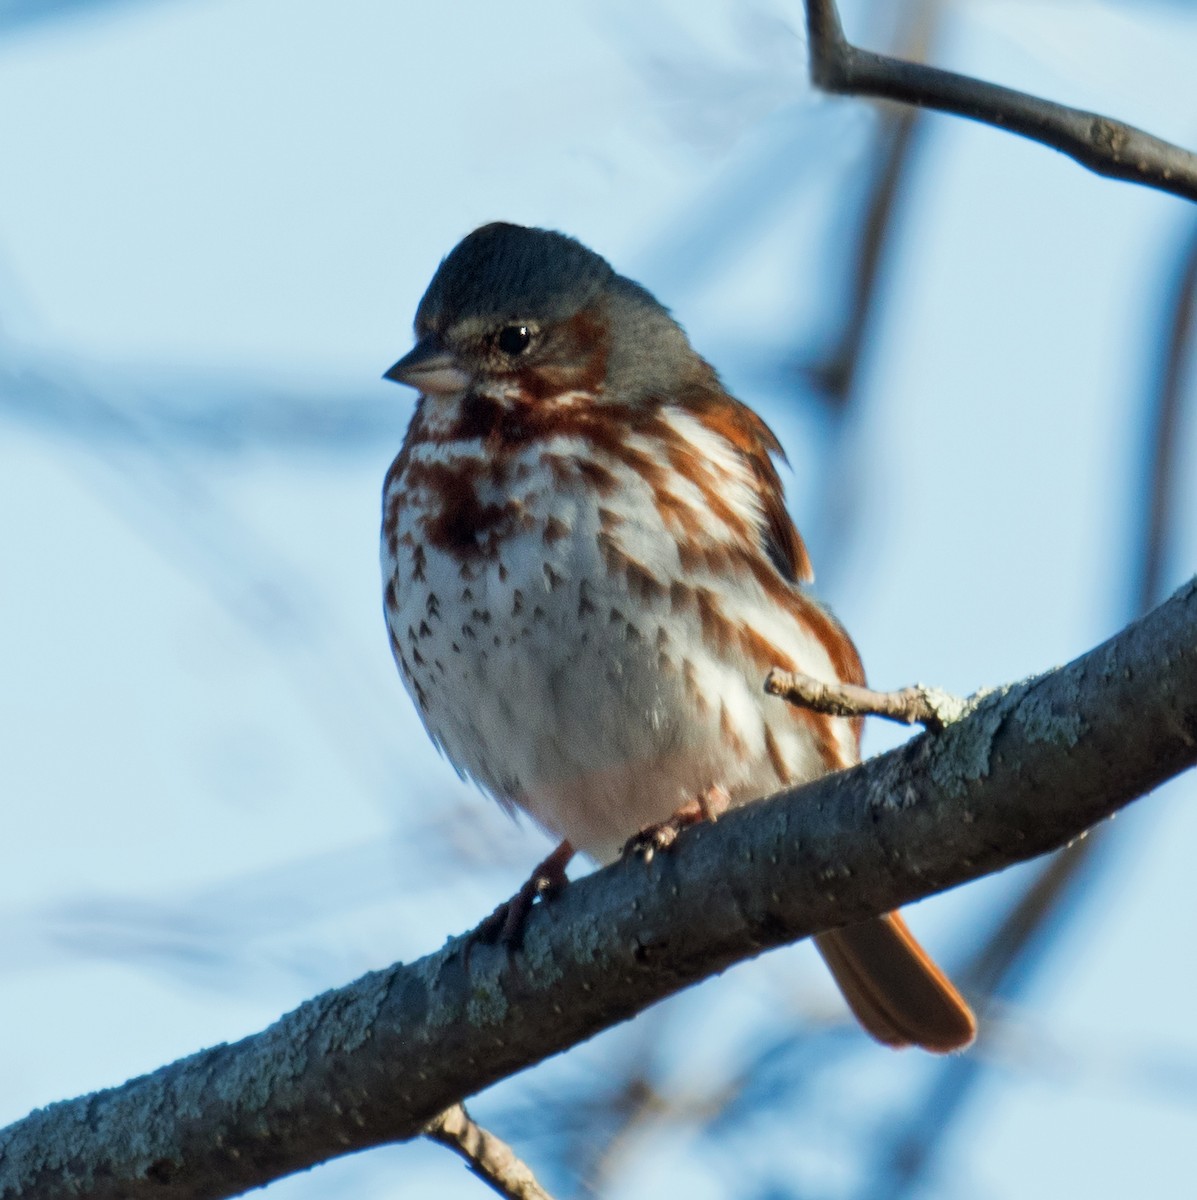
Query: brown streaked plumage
{"points": [[588, 570]]}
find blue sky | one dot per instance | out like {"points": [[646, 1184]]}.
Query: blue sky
{"points": [[218, 799]]}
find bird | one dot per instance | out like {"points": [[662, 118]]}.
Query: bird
{"points": [[588, 569]]}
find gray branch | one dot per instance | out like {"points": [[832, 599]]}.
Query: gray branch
{"points": [[1104, 145], [1027, 769]]}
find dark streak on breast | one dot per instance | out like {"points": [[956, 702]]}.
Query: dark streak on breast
{"points": [[457, 522]]}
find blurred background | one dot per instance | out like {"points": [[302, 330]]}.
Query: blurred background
{"points": [[216, 220]]}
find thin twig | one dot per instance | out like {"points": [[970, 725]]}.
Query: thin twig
{"points": [[919, 704], [1108, 147], [489, 1157]]}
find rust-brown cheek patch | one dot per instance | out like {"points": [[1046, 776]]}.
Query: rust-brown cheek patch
{"points": [[578, 359]]}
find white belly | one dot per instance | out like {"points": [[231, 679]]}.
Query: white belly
{"points": [[565, 659]]}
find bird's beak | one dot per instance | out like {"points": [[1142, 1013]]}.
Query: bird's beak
{"points": [[431, 368]]}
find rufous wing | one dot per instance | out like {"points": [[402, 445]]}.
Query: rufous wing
{"points": [[893, 987]]}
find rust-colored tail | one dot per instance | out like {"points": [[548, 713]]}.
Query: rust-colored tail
{"points": [[894, 989]]}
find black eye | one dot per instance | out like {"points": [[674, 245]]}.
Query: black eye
{"points": [[514, 339]]}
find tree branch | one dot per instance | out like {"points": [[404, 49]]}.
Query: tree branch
{"points": [[1027, 769], [489, 1157], [1108, 147], [918, 704]]}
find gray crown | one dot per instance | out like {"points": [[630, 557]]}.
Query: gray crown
{"points": [[511, 272]]}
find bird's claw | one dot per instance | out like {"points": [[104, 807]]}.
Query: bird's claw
{"points": [[505, 925], [707, 806]]}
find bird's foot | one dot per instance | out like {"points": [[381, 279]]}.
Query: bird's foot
{"points": [[506, 924], [709, 805]]}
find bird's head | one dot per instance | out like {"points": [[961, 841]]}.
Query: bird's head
{"points": [[536, 314]]}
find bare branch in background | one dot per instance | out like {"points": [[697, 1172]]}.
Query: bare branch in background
{"points": [[834, 373], [1107, 147], [200, 411], [1165, 424], [1027, 770]]}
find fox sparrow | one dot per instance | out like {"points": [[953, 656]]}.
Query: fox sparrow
{"points": [[589, 569]]}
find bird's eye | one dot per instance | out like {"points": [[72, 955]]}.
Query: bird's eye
{"points": [[514, 339]]}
